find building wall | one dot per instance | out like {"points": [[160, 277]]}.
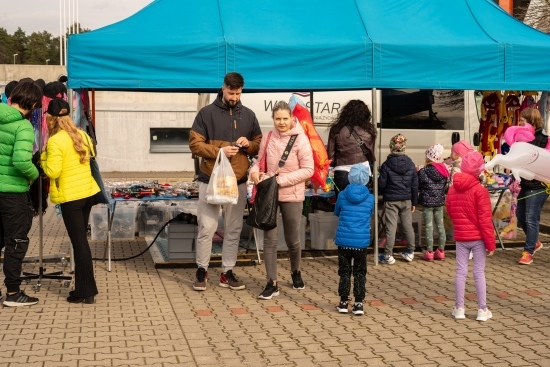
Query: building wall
{"points": [[123, 121]]}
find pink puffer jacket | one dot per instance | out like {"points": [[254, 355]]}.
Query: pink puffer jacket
{"points": [[298, 167]]}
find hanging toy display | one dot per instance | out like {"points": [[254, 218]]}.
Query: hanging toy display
{"points": [[488, 123]]}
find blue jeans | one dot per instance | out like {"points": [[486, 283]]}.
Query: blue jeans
{"points": [[530, 203]]}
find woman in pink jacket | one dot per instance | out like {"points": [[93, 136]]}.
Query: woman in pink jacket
{"points": [[291, 179]]}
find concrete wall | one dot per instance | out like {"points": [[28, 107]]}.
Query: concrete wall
{"points": [[49, 73], [123, 120]]}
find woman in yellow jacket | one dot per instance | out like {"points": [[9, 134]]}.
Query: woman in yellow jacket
{"points": [[67, 162]]}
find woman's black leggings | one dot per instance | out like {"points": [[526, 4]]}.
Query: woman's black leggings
{"points": [[75, 216]]}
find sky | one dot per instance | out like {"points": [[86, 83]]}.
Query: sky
{"points": [[45, 14]]}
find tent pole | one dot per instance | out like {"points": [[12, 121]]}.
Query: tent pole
{"points": [[93, 108], [375, 175], [311, 106]]}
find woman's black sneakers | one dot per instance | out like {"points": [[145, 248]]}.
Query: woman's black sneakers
{"points": [[297, 282], [271, 290]]}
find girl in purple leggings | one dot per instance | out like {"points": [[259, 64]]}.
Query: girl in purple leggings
{"points": [[469, 207]]}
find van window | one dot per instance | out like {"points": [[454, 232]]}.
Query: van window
{"points": [[423, 109]]}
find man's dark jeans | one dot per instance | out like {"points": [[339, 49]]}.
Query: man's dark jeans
{"points": [[15, 224]]}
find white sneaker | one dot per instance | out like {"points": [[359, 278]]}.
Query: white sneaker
{"points": [[409, 256], [471, 256], [484, 315], [458, 313]]}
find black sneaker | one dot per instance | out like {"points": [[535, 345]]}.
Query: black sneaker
{"points": [[19, 299], [271, 290], [357, 309], [297, 282], [342, 307], [201, 280]]}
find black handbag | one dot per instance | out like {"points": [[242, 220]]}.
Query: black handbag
{"points": [[264, 212], [102, 197]]}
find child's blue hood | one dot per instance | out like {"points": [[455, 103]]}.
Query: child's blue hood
{"points": [[356, 193]]}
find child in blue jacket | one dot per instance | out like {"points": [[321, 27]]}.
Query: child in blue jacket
{"points": [[354, 206]]}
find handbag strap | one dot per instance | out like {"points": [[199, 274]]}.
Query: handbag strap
{"points": [[90, 146], [361, 144], [284, 157]]}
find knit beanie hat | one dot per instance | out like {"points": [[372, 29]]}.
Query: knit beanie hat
{"points": [[359, 174], [461, 148], [398, 144], [434, 153], [473, 163]]}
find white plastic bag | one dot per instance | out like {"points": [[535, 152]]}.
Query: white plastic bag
{"points": [[222, 187]]}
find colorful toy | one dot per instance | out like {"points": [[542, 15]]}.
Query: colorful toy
{"points": [[488, 123], [320, 156], [526, 161]]}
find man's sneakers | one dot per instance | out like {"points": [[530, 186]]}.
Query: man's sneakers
{"points": [[409, 256], [19, 299], [201, 279], [228, 280], [297, 282], [439, 255], [386, 259], [271, 290], [526, 258], [483, 315]]}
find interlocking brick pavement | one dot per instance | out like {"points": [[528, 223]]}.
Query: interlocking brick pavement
{"points": [[145, 316]]}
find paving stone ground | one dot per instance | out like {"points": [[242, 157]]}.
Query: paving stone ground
{"points": [[145, 316]]}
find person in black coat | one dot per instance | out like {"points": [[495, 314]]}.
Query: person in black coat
{"points": [[398, 184], [432, 180]]}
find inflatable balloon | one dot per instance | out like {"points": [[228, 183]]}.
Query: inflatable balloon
{"points": [[320, 156], [526, 161], [515, 134]]}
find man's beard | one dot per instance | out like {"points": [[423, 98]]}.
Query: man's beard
{"points": [[230, 103]]}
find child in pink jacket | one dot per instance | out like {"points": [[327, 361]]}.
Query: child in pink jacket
{"points": [[469, 206], [291, 179]]}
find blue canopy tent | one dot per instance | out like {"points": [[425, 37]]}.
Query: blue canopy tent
{"points": [[189, 45], [313, 45]]}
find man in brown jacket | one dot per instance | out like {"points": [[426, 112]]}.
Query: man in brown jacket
{"points": [[227, 125]]}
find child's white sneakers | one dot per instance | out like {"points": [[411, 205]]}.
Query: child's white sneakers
{"points": [[483, 315], [458, 313]]}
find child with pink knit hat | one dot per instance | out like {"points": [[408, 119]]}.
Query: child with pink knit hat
{"points": [[458, 151], [469, 206]]}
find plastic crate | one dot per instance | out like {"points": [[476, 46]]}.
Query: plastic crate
{"points": [[281, 243], [124, 222], [323, 227], [152, 216], [182, 239]]}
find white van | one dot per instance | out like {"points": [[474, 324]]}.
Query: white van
{"points": [[425, 117]]}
